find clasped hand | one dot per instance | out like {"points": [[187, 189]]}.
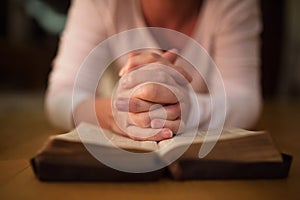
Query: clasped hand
{"points": [[151, 101]]}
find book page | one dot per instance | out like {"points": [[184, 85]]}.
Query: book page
{"points": [[234, 145], [91, 134], [184, 139], [226, 134]]}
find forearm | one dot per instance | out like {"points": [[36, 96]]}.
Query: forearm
{"points": [[85, 112], [94, 111], [58, 107]]}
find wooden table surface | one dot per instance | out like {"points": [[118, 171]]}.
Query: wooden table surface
{"points": [[24, 128]]}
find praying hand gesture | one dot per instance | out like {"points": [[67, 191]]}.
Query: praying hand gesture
{"points": [[151, 101]]}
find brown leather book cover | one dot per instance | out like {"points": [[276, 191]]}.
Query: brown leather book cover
{"points": [[65, 158], [70, 161], [79, 165], [188, 169]]}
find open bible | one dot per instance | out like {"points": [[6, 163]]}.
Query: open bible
{"points": [[237, 154]]}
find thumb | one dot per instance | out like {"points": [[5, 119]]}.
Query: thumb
{"points": [[171, 55]]}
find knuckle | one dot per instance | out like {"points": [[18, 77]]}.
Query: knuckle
{"points": [[177, 108], [128, 78], [148, 91], [163, 62], [174, 112], [140, 120], [153, 56], [176, 126], [161, 77]]}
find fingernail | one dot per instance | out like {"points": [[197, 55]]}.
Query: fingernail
{"points": [[167, 133], [124, 82], [122, 104]]}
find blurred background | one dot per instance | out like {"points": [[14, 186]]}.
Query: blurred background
{"points": [[29, 32]]}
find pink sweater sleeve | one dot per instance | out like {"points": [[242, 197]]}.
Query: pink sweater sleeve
{"points": [[80, 36], [236, 48]]}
